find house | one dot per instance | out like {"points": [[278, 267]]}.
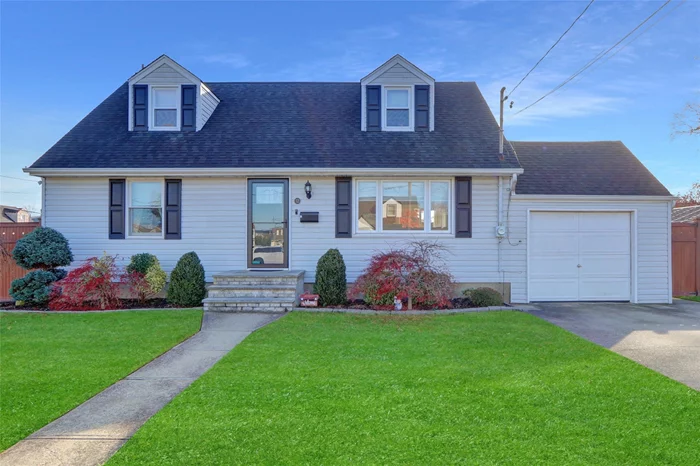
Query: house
{"points": [[9, 214], [233, 170], [689, 214]]}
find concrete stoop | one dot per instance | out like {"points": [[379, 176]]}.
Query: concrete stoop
{"points": [[255, 291]]}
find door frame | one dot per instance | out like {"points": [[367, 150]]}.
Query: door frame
{"points": [[633, 242], [249, 224]]}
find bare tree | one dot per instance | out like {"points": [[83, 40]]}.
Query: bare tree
{"points": [[687, 121], [692, 197]]}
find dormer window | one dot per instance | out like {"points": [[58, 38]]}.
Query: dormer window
{"points": [[398, 108], [165, 108]]}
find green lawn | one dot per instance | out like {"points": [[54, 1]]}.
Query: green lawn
{"points": [[690, 298], [487, 388], [50, 363]]}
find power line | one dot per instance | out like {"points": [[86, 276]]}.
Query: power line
{"points": [[593, 61], [21, 179], [552, 47]]}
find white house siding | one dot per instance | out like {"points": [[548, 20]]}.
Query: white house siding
{"points": [[206, 104], [165, 74], [470, 259], [397, 75], [651, 253], [213, 222]]}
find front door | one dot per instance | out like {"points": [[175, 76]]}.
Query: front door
{"points": [[268, 223]]}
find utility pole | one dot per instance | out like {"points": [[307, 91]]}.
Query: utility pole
{"points": [[503, 98]]}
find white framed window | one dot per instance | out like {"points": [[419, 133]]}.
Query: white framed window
{"points": [[398, 108], [145, 204], [165, 113], [403, 206]]}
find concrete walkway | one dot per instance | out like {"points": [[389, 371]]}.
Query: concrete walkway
{"points": [[91, 433], [663, 337]]}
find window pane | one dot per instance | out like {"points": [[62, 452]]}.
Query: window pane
{"points": [[166, 118], [165, 98], [403, 205], [146, 194], [439, 205], [367, 206], [397, 117], [397, 98], [146, 221]]}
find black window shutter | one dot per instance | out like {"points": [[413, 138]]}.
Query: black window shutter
{"points": [[343, 207], [173, 207], [422, 108], [189, 108], [373, 101], [140, 99], [117, 209], [463, 207]]}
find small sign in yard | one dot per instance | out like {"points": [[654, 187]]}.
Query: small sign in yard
{"points": [[308, 300]]}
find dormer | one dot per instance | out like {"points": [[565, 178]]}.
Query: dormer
{"points": [[164, 96], [398, 96]]}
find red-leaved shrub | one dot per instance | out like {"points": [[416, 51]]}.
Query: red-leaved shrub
{"points": [[93, 285], [413, 274]]}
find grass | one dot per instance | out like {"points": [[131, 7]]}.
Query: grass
{"points": [[690, 298], [487, 388], [51, 363]]}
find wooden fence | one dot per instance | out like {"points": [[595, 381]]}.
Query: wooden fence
{"points": [[686, 258], [9, 234]]}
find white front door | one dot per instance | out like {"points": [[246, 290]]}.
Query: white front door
{"points": [[579, 256]]}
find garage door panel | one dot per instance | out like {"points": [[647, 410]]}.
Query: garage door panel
{"points": [[554, 289], [579, 256]]}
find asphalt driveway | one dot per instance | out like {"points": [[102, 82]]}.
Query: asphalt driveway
{"points": [[663, 337]]}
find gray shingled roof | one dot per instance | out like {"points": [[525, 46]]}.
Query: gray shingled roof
{"points": [[583, 168], [690, 214], [314, 125]]}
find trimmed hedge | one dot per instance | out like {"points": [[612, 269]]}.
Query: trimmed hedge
{"points": [[142, 262], [331, 282], [35, 287], [44, 248], [484, 297], [187, 286]]}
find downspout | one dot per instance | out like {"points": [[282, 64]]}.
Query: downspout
{"points": [[43, 201]]}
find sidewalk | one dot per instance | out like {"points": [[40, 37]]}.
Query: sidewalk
{"points": [[91, 433]]}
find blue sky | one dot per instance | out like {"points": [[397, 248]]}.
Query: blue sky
{"points": [[60, 59]]}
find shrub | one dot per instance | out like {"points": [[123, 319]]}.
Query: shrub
{"points": [[414, 274], [331, 283], [484, 297], [187, 286], [34, 288], [141, 262], [145, 276], [93, 285], [43, 248]]}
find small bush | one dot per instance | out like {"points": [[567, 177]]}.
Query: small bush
{"points": [[484, 297], [414, 274], [187, 286], [93, 285], [331, 283], [141, 262], [144, 276], [34, 288], [43, 248]]}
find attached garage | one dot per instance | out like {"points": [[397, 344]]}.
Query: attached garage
{"points": [[580, 256]]}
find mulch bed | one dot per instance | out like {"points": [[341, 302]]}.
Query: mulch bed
{"points": [[457, 303], [156, 303]]}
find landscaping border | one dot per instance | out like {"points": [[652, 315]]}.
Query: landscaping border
{"points": [[413, 313]]}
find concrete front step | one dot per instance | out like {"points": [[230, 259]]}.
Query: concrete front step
{"points": [[248, 304]]}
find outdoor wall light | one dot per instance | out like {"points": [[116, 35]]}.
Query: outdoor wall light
{"points": [[307, 188]]}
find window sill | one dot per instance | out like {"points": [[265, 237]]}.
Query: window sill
{"points": [[163, 129], [420, 233], [399, 129]]}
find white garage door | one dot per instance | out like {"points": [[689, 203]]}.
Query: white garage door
{"points": [[579, 256]]}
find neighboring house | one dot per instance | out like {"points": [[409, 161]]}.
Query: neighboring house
{"points": [[690, 214], [9, 214], [234, 171]]}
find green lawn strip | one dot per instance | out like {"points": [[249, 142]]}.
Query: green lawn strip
{"points": [[51, 363], [486, 388], [690, 298]]}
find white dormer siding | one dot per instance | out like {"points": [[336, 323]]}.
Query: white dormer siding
{"points": [[165, 73], [397, 73]]}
